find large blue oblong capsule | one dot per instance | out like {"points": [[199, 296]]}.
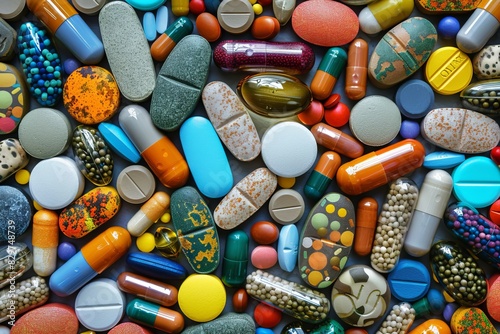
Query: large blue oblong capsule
{"points": [[41, 64]]}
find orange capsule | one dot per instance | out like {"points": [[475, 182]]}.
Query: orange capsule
{"points": [[161, 48], [325, 78], [432, 326], [45, 239], [337, 141], [366, 223], [356, 70], [322, 175]]}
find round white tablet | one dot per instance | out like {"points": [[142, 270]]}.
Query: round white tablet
{"points": [[99, 305], [11, 9], [56, 182], [289, 149], [375, 120]]}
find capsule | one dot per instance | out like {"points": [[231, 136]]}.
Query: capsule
{"points": [[264, 56], [366, 223], [384, 14], [329, 69], [377, 168], [483, 97], [274, 94], [45, 240], [22, 296], [180, 28], [15, 260], [432, 326], [180, 7], [234, 264], [92, 155], [458, 273], [148, 214], [283, 10], [335, 140], [356, 70], [399, 319], [95, 257], [155, 316], [158, 151], [292, 298], [151, 290], [395, 217], [471, 320], [322, 175]]}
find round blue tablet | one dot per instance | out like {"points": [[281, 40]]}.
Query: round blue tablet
{"points": [[415, 98], [15, 213], [448, 27], [409, 281], [66, 250], [409, 129], [476, 181]]}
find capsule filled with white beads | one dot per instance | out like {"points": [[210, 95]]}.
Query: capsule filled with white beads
{"points": [[393, 222], [21, 296], [399, 320]]}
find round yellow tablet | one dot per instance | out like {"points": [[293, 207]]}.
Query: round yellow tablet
{"points": [[146, 242], [37, 206], [448, 70], [202, 297], [22, 176], [286, 182]]}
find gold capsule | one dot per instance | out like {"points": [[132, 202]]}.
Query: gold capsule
{"points": [[166, 242], [274, 94]]}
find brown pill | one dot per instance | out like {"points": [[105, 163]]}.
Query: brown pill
{"points": [[265, 27], [240, 300], [264, 232], [208, 27], [149, 289], [366, 223], [356, 70], [337, 141]]}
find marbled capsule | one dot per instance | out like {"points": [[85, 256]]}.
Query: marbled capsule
{"points": [[92, 155], [41, 64], [274, 95]]}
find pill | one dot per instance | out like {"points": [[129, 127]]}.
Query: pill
{"points": [[324, 247], [161, 155], [67, 25], [15, 211], [392, 49], [409, 129], [66, 250], [288, 149], [89, 7], [46, 319], [45, 133], [197, 234], [286, 182], [264, 257], [235, 261], [383, 15], [286, 206], [118, 141], [16, 105], [357, 69], [240, 300], [330, 16], [235, 16], [156, 316], [161, 19], [265, 27], [288, 247], [283, 10], [241, 323], [443, 160], [12, 159], [231, 120], [128, 328], [448, 70], [56, 182], [145, 5], [415, 98], [432, 325], [127, 51], [208, 26], [206, 158], [45, 240], [211, 6], [409, 281], [493, 297], [391, 162], [146, 242], [180, 7], [95, 257], [151, 290], [135, 184], [486, 61], [245, 198], [180, 82], [196, 7], [312, 114], [448, 27], [257, 8], [458, 7], [494, 212], [266, 316], [460, 130], [148, 214], [169, 38], [100, 305], [12, 10], [155, 266], [328, 72], [21, 254], [201, 297], [335, 140], [264, 232], [366, 223], [149, 26], [481, 96], [167, 242], [10, 37]]}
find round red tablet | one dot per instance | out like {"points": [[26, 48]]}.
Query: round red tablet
{"points": [[266, 316], [338, 116]]}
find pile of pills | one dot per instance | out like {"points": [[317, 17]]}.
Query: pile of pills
{"points": [[393, 223], [28, 294], [399, 320]]}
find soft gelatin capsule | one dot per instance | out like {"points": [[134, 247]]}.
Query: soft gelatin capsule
{"points": [[274, 94]]}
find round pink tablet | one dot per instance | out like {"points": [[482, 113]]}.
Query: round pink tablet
{"points": [[128, 328], [325, 22], [48, 319], [264, 257]]}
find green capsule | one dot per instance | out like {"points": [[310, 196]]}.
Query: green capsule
{"points": [[274, 95], [234, 265]]}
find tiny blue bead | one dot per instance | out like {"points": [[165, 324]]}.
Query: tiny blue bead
{"points": [[409, 129], [448, 27]]}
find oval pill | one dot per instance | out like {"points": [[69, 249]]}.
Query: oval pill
{"points": [[15, 92], [208, 26], [147, 288]]}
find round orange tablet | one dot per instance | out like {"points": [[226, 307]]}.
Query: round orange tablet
{"points": [[91, 95]]}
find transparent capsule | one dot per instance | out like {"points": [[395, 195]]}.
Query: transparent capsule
{"points": [[167, 243], [399, 320], [23, 296], [15, 260], [482, 96]]}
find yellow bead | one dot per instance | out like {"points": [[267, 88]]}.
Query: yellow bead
{"points": [[257, 8], [22, 176], [286, 182], [146, 242], [37, 206], [165, 218], [252, 2]]}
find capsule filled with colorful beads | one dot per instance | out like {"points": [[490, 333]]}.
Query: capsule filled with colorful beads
{"points": [[41, 64]]}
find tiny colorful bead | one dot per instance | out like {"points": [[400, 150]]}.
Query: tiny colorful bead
{"points": [[409, 129], [66, 250], [257, 9], [22, 176], [165, 218], [146, 242], [196, 7]]}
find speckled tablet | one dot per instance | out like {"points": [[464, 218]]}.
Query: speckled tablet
{"points": [[289, 149], [15, 213], [47, 319], [12, 157], [235, 16], [415, 98], [45, 133], [370, 115], [135, 184], [127, 51], [91, 95], [56, 182]]}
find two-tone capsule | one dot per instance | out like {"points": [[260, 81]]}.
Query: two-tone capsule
{"points": [[322, 175], [164, 44], [325, 78]]}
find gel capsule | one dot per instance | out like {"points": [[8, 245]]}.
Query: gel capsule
{"points": [[262, 56], [337, 141], [325, 78], [155, 316], [322, 175], [357, 69], [377, 168], [147, 288], [164, 44], [366, 222], [274, 95]]}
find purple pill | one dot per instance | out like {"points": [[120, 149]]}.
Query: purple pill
{"points": [[409, 129], [66, 250], [70, 65], [449, 309]]}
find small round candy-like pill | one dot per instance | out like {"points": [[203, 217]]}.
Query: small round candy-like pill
{"points": [[338, 116], [409, 129], [266, 316], [257, 9], [286, 182], [66, 250], [70, 65], [146, 242], [22, 176], [448, 27], [312, 114]]}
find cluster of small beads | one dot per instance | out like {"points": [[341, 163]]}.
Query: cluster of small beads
{"points": [[393, 223], [399, 320], [21, 255], [294, 299], [41, 64], [23, 296]]}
